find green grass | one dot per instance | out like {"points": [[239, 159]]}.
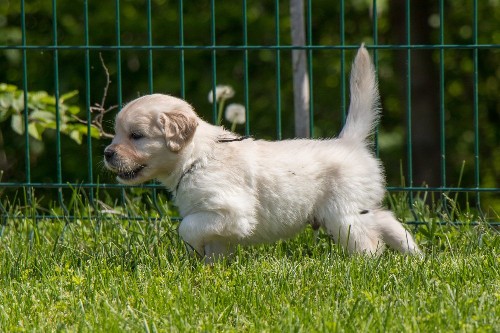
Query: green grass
{"points": [[117, 275]]}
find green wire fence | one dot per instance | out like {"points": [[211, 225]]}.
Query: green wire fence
{"points": [[217, 45]]}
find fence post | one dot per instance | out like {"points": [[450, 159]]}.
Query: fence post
{"points": [[300, 75]]}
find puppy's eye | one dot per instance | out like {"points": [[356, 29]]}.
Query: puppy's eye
{"points": [[136, 135]]}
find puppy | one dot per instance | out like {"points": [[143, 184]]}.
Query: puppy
{"points": [[235, 190]]}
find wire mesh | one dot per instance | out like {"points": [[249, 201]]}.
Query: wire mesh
{"points": [[219, 53]]}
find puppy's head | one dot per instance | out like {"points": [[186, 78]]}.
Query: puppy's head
{"points": [[150, 134]]}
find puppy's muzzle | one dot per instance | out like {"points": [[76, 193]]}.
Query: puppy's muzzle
{"points": [[125, 170], [109, 154]]}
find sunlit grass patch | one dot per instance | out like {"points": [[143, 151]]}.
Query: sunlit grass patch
{"points": [[118, 274]]}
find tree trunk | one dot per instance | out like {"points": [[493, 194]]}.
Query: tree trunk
{"points": [[300, 75], [424, 90]]}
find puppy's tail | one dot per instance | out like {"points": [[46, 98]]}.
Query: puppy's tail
{"points": [[364, 110]]}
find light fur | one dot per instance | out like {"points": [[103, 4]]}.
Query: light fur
{"points": [[232, 190]]}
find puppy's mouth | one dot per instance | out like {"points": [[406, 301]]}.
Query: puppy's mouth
{"points": [[130, 174]]}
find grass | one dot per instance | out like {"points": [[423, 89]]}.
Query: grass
{"points": [[117, 275]]}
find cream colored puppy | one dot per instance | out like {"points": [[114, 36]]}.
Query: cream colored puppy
{"points": [[232, 190]]}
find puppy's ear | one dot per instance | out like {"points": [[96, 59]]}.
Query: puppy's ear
{"points": [[178, 128]]}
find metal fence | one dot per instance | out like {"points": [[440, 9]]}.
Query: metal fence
{"points": [[160, 46]]}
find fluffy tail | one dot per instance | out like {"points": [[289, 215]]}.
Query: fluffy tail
{"points": [[364, 109]]}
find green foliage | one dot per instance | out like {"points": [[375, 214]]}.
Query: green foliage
{"points": [[43, 113]]}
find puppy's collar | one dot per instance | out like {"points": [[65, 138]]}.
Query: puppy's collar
{"points": [[195, 164], [191, 168], [238, 138]]}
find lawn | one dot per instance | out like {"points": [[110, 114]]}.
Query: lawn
{"points": [[116, 275]]}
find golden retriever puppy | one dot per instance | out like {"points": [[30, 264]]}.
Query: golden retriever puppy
{"points": [[235, 190]]}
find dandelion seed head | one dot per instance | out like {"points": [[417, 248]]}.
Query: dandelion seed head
{"points": [[222, 92], [235, 113]]}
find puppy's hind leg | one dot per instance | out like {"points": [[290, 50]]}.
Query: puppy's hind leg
{"points": [[393, 233], [353, 234]]}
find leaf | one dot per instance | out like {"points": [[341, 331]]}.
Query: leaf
{"points": [[76, 136], [6, 101], [74, 109], [49, 100], [42, 115], [5, 87], [50, 124], [17, 124], [4, 114], [18, 103], [68, 95], [46, 107], [81, 128], [35, 99], [35, 130], [94, 132]]}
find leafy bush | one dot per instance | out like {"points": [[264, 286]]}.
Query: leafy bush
{"points": [[43, 111]]}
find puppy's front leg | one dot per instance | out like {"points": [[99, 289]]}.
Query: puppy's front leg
{"points": [[216, 251], [201, 231]]}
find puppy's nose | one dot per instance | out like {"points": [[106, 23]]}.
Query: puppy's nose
{"points": [[109, 153]]}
